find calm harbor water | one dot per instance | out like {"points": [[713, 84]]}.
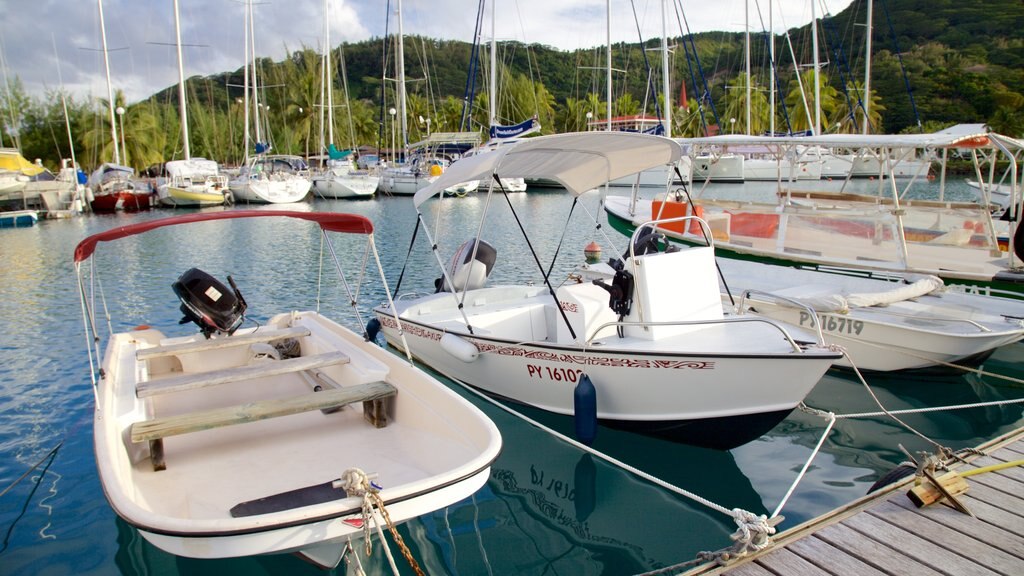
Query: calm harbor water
{"points": [[549, 508]]}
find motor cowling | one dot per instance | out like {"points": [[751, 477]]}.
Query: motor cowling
{"points": [[209, 304], [469, 267]]}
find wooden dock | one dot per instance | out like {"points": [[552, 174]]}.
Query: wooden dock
{"points": [[885, 533]]}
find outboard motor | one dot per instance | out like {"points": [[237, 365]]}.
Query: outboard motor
{"points": [[208, 303], [467, 273]]}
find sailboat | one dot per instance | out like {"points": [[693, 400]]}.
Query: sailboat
{"points": [[500, 135], [424, 161], [265, 178], [113, 185], [340, 178], [193, 182]]}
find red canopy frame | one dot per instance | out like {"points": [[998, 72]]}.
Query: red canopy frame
{"points": [[329, 221]]}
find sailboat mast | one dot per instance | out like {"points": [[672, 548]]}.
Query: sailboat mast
{"points": [[771, 71], [330, 82], [492, 102], [401, 80], [245, 82], [665, 80], [181, 84], [608, 34], [867, 69], [64, 103], [110, 88], [323, 77], [817, 71], [746, 53], [255, 88]]}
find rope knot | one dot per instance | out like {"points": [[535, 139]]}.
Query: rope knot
{"points": [[753, 532], [355, 482]]}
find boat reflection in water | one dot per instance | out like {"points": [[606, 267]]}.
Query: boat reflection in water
{"points": [[578, 514]]}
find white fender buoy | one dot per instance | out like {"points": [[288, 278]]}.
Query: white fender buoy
{"points": [[459, 347]]}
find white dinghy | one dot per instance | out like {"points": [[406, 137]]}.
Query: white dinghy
{"points": [[650, 351], [884, 323], [244, 441]]}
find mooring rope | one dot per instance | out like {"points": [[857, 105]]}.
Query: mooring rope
{"points": [[355, 482], [753, 532]]}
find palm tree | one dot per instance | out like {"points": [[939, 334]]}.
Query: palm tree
{"points": [[144, 139], [843, 117], [795, 104]]}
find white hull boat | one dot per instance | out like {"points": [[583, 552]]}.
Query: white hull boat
{"points": [[649, 351], [883, 324], [272, 180], [345, 185], [238, 442]]}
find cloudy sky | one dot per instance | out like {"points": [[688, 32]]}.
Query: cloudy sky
{"points": [[37, 34]]}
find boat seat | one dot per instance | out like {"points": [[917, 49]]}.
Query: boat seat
{"points": [[156, 429], [218, 343], [247, 372]]}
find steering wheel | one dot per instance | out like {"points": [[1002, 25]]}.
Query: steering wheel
{"points": [[647, 242]]}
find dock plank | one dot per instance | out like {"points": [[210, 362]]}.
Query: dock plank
{"points": [[750, 569], [879, 555], [1005, 482], [1008, 509], [978, 527], [915, 547], [950, 538], [821, 553], [787, 562]]}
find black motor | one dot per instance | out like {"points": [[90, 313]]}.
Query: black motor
{"points": [[208, 303]]}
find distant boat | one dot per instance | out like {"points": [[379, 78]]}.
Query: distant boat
{"points": [[18, 218], [272, 179], [340, 178], [114, 188], [239, 441], [264, 178], [191, 182]]}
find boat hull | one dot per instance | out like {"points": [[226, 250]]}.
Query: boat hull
{"points": [[212, 499], [125, 200], [345, 186], [701, 399]]}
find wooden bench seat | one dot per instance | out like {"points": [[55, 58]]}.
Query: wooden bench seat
{"points": [[156, 429], [247, 372], [260, 335]]}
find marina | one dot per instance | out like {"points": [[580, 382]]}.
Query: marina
{"points": [[550, 505]]}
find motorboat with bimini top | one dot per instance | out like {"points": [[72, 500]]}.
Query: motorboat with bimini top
{"points": [[288, 437], [886, 231], [650, 350]]}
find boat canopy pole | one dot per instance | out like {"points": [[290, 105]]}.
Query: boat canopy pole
{"points": [[408, 254], [565, 228], [547, 281]]}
